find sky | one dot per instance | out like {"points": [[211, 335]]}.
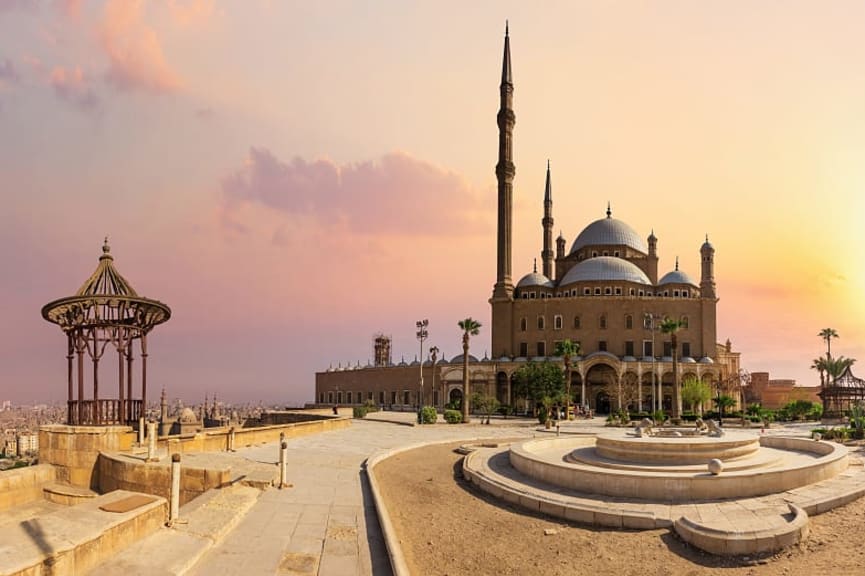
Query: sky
{"points": [[292, 178]]}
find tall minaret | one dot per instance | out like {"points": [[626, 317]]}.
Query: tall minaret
{"points": [[547, 221], [505, 170], [707, 268]]}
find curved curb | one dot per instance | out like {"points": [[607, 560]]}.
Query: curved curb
{"points": [[735, 543], [391, 540]]}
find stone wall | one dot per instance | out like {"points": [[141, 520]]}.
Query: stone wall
{"points": [[23, 485], [74, 450]]}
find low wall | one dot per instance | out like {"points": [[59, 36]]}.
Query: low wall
{"points": [[120, 472], [74, 450], [23, 485]]}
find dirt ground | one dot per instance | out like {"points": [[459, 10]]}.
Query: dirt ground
{"points": [[447, 527]]}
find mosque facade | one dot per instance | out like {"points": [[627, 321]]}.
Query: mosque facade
{"points": [[603, 292]]}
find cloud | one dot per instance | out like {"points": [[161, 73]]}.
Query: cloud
{"points": [[189, 13], [73, 86], [396, 194], [8, 73], [134, 52]]}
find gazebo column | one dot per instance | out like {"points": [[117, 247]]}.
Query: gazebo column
{"points": [[70, 354], [118, 416], [127, 414], [80, 349], [143, 376], [95, 415]]}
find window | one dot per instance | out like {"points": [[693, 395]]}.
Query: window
{"points": [[666, 293], [532, 295], [597, 291], [541, 323], [602, 346], [381, 397], [640, 293], [668, 348], [618, 290], [587, 292], [602, 322], [594, 254], [369, 396], [557, 322], [348, 398], [676, 293], [576, 322], [435, 397], [330, 397], [321, 398], [406, 397], [629, 348], [525, 295], [524, 349], [647, 348], [684, 321], [524, 324], [542, 348], [686, 349], [606, 253], [608, 291], [339, 397], [629, 321], [393, 397], [616, 253], [631, 292]]}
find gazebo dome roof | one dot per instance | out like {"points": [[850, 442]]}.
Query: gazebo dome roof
{"points": [[106, 280]]}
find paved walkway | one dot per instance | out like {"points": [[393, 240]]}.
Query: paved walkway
{"points": [[325, 523]]}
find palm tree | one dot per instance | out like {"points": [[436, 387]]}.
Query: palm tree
{"points": [[470, 327], [568, 349], [827, 334], [671, 327], [835, 367], [819, 364]]}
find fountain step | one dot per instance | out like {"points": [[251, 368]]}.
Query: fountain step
{"points": [[766, 459]]}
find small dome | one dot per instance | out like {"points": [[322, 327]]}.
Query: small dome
{"points": [[707, 245], [687, 360], [677, 277], [504, 359], [534, 279], [606, 268], [459, 359], [628, 359], [706, 360], [609, 232], [187, 416]]}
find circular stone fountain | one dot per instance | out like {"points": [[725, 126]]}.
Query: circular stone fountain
{"points": [[675, 469]]}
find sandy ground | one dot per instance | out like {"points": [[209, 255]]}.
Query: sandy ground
{"points": [[448, 527]]}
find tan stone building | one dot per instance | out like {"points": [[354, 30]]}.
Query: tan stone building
{"points": [[603, 292]]}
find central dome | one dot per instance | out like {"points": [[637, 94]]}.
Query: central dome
{"points": [[609, 232]]}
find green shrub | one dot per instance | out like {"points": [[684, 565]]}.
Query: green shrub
{"points": [[427, 415], [659, 417], [505, 410], [453, 416], [689, 417], [370, 406], [542, 414], [359, 411]]}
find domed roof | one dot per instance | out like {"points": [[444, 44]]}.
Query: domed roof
{"points": [[459, 359], [677, 277], [187, 416], [534, 279], [605, 268], [609, 232]]}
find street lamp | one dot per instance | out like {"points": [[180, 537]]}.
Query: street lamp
{"points": [[433, 353], [422, 334], [649, 322]]}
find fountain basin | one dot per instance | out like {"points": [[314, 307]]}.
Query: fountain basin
{"points": [[668, 450], [789, 463]]}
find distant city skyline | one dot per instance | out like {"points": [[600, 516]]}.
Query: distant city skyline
{"points": [[292, 179]]}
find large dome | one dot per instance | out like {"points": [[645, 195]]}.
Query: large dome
{"points": [[609, 232], [677, 277], [534, 279], [605, 268]]}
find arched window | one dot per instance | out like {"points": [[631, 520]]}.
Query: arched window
{"points": [[557, 322], [602, 322], [576, 322], [683, 321], [629, 321], [524, 324], [541, 323], [608, 291]]}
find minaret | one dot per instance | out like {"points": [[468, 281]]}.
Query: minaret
{"points": [[652, 261], [707, 267], [505, 170], [547, 221]]}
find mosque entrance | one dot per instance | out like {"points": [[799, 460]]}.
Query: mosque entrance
{"points": [[602, 403], [455, 398]]}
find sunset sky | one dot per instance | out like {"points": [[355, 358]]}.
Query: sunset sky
{"points": [[293, 177]]}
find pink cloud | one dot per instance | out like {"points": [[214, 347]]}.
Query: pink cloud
{"points": [[135, 55], [189, 13], [74, 87], [396, 194]]}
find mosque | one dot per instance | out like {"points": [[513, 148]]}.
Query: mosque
{"points": [[603, 293]]}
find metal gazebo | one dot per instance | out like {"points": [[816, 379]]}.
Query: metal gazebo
{"points": [[106, 310]]}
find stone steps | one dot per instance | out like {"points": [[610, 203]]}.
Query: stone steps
{"points": [[175, 550]]}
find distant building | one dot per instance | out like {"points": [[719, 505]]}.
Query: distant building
{"points": [[27, 444], [776, 393], [5, 405]]}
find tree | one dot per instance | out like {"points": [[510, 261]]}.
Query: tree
{"points": [[835, 367], [536, 380], [470, 327], [486, 404], [567, 349], [695, 392], [722, 402], [671, 327], [819, 364], [827, 334]]}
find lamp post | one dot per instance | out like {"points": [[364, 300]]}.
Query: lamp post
{"points": [[433, 353], [422, 334], [649, 322]]}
